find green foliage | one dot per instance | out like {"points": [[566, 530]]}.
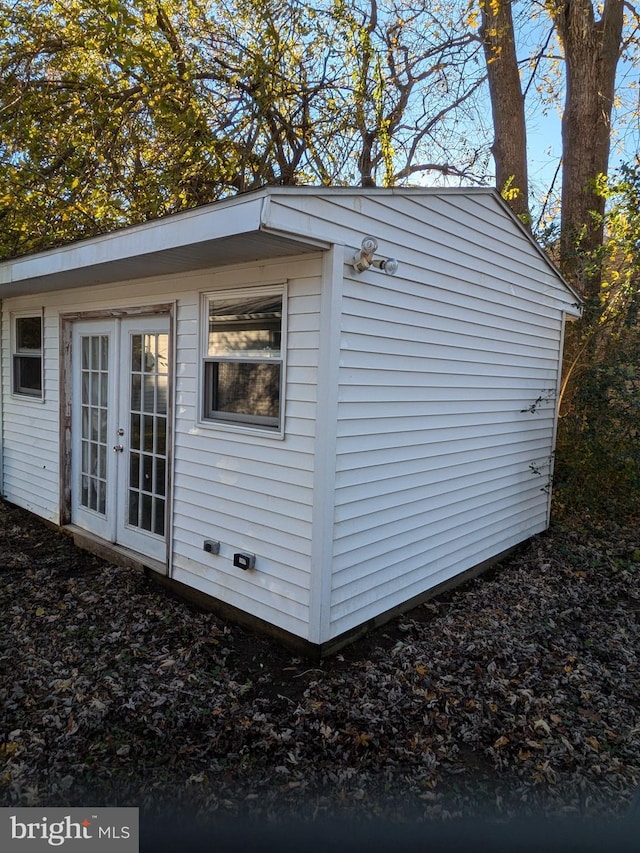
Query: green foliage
{"points": [[598, 449], [117, 111], [100, 125]]}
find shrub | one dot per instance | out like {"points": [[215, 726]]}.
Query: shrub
{"points": [[598, 453]]}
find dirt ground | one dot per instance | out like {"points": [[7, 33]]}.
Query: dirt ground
{"points": [[517, 694]]}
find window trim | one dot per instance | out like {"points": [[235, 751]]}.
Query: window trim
{"points": [[255, 424], [16, 354]]}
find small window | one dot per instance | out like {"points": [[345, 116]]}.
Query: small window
{"points": [[243, 363], [27, 356]]}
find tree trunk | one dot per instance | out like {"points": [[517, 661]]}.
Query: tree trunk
{"points": [[591, 50], [507, 106]]}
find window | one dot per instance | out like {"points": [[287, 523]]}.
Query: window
{"points": [[27, 356], [243, 362]]}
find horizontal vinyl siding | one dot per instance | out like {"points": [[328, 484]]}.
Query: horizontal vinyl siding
{"points": [[366, 487], [30, 427], [256, 599], [437, 236], [250, 491], [444, 554], [454, 504], [437, 550], [441, 464]]}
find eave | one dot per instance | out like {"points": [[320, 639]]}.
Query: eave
{"points": [[227, 232]]}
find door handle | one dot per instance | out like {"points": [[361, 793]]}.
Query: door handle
{"points": [[118, 448]]}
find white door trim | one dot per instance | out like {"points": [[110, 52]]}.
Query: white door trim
{"points": [[68, 411]]}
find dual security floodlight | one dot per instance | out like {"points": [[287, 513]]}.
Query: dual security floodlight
{"points": [[364, 259]]}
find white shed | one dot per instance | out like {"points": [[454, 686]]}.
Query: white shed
{"points": [[222, 397]]}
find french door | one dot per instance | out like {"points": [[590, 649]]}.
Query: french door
{"points": [[119, 431]]}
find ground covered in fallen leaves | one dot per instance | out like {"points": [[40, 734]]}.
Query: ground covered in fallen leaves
{"points": [[516, 694]]}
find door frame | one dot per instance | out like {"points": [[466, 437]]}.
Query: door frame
{"points": [[67, 320]]}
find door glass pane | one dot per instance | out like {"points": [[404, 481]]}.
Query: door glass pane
{"points": [[148, 439], [136, 396], [103, 426], [93, 420], [133, 508], [135, 431], [161, 405], [148, 403], [136, 353], [160, 478], [95, 352], [95, 425], [161, 435], [94, 383], [158, 516], [147, 472], [134, 470], [145, 515]]}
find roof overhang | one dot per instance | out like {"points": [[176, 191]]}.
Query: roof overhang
{"points": [[242, 229], [229, 232]]}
